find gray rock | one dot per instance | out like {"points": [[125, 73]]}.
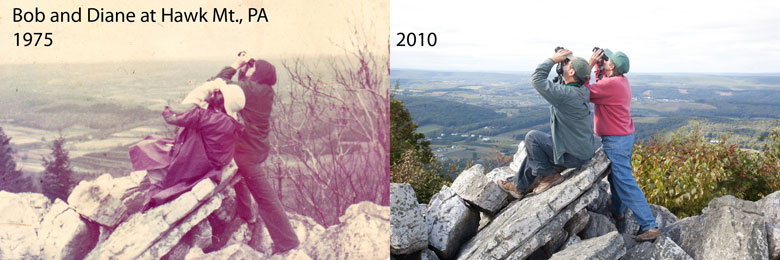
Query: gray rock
{"points": [[598, 225], [629, 224], [773, 239], [600, 205], [629, 241], [516, 227], [22, 216], [501, 173], [107, 200], [609, 246], [549, 231], [408, 230], [729, 228], [450, 222], [578, 222], [518, 158], [770, 205], [474, 186], [155, 229], [65, 235], [484, 220], [663, 217], [556, 242], [427, 254], [574, 239], [662, 248], [362, 234], [200, 235], [231, 252]]}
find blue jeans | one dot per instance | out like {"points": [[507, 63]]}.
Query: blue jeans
{"points": [[625, 191], [540, 159]]}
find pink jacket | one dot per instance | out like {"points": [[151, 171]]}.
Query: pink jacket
{"points": [[612, 104]]}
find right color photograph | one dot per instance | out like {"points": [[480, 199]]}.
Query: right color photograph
{"points": [[584, 130]]}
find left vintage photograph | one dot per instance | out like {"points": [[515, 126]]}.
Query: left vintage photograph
{"points": [[195, 130]]}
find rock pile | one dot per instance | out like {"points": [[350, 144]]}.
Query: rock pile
{"points": [[102, 220], [475, 219]]}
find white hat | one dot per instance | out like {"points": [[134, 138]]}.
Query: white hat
{"points": [[234, 99]]}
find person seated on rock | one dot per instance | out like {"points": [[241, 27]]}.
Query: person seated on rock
{"points": [[201, 149], [572, 142], [611, 97]]}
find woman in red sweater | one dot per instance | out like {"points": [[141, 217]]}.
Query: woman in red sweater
{"points": [[611, 97]]}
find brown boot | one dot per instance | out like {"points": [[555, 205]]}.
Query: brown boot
{"points": [[510, 188], [648, 235], [548, 182]]}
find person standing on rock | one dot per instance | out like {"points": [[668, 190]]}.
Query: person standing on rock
{"points": [[611, 97], [256, 79], [572, 142]]}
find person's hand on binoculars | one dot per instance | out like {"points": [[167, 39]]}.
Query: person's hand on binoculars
{"points": [[596, 57], [241, 60], [560, 56]]}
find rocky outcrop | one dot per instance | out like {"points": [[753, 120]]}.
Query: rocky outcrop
{"points": [[106, 200], [475, 187], [662, 248], [609, 246], [572, 221], [20, 220], [199, 224], [514, 231], [450, 222], [408, 232], [729, 228]]}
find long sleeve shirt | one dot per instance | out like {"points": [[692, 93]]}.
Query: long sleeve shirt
{"points": [[571, 120], [612, 105]]}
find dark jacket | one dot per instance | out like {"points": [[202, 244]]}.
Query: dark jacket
{"points": [[256, 116]]}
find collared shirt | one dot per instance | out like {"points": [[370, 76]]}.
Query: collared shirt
{"points": [[571, 120]]}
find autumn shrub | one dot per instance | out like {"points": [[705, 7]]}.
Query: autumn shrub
{"points": [[685, 171], [424, 177]]}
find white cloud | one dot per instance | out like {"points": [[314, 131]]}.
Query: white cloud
{"points": [[659, 36]]}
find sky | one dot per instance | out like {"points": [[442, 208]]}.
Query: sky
{"points": [[295, 28], [657, 36]]}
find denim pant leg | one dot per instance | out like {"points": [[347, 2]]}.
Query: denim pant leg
{"points": [[625, 191], [539, 159]]}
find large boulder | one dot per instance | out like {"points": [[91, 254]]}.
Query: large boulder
{"points": [[408, 231], [770, 205], [475, 187], [362, 234], [21, 217], [729, 228], [662, 248], [107, 200], [65, 235], [450, 222], [526, 225], [152, 233], [609, 246], [629, 225]]}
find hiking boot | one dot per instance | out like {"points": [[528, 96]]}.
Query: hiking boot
{"points": [[548, 182], [510, 188], [648, 235]]}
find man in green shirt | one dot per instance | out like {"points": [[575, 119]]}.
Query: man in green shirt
{"points": [[572, 142]]}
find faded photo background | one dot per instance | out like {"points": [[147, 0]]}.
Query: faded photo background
{"points": [[101, 88]]}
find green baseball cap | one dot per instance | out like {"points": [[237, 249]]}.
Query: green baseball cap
{"points": [[619, 59], [581, 68]]}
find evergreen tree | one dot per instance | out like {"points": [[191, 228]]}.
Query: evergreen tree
{"points": [[56, 178], [9, 176]]}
